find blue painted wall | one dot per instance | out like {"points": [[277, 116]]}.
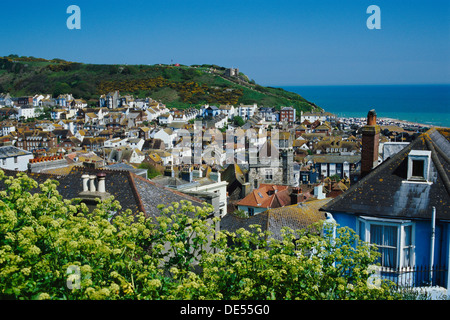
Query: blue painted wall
{"points": [[422, 239]]}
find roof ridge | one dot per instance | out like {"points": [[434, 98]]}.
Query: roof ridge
{"points": [[438, 149], [369, 175], [437, 163], [135, 192], [135, 176]]}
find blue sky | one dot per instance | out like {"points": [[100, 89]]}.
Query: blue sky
{"points": [[274, 42]]}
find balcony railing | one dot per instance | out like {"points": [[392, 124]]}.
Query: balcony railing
{"points": [[418, 276]]}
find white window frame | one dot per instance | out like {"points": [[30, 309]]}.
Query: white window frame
{"points": [[363, 230], [419, 155]]}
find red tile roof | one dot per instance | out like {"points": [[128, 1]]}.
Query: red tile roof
{"points": [[267, 196]]}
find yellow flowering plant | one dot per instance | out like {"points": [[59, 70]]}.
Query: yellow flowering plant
{"points": [[54, 248]]}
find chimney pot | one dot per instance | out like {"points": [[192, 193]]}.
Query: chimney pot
{"points": [[101, 182], [370, 143], [372, 118], [85, 178], [92, 184]]}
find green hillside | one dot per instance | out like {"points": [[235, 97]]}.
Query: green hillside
{"points": [[176, 86]]}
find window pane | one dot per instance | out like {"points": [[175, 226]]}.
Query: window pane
{"points": [[362, 231], [385, 237], [418, 166], [406, 257], [376, 234], [389, 258], [407, 236], [390, 236]]}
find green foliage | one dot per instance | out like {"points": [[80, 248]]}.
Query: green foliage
{"points": [[182, 86], [151, 170], [237, 120], [335, 177], [61, 88], [54, 248], [241, 214]]}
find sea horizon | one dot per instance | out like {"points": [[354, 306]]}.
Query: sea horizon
{"points": [[427, 104]]}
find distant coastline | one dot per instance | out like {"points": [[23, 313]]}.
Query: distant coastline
{"points": [[424, 105], [385, 122]]}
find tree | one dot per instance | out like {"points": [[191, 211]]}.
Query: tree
{"points": [[61, 88], [51, 248], [54, 248], [151, 170], [237, 120]]}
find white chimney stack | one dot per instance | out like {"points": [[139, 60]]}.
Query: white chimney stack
{"points": [[85, 178], [101, 182], [318, 192], [92, 185]]}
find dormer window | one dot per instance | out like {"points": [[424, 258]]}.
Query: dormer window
{"points": [[419, 165]]}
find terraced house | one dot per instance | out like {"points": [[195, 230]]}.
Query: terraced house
{"points": [[36, 139]]}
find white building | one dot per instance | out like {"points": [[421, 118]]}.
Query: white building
{"points": [[137, 156], [314, 116], [166, 118], [211, 184], [26, 112], [228, 110], [12, 158], [247, 111], [8, 128], [167, 135], [136, 143], [114, 143]]}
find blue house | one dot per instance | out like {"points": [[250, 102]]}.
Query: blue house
{"points": [[403, 207], [210, 111], [308, 174]]}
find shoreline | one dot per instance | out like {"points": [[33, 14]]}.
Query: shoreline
{"points": [[385, 121]]}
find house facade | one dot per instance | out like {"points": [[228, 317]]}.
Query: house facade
{"points": [[327, 165], [12, 158], [403, 207], [287, 114], [37, 139]]}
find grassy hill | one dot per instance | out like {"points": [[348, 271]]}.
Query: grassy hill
{"points": [[176, 86]]}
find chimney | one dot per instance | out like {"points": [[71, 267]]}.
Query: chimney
{"points": [[370, 143], [197, 172], [187, 174], [215, 175], [101, 182], [318, 192], [92, 183], [168, 171], [85, 178], [296, 195], [245, 189]]}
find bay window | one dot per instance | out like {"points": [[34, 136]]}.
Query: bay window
{"points": [[393, 238]]}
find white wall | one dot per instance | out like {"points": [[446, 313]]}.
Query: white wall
{"points": [[16, 163]]}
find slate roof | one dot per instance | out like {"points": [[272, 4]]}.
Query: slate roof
{"points": [[132, 191], [295, 217], [152, 194], [385, 192], [331, 158], [11, 151], [233, 173]]}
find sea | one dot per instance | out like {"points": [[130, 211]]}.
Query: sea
{"points": [[424, 104]]}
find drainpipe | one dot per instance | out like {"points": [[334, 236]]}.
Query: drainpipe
{"points": [[330, 221], [433, 232]]}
